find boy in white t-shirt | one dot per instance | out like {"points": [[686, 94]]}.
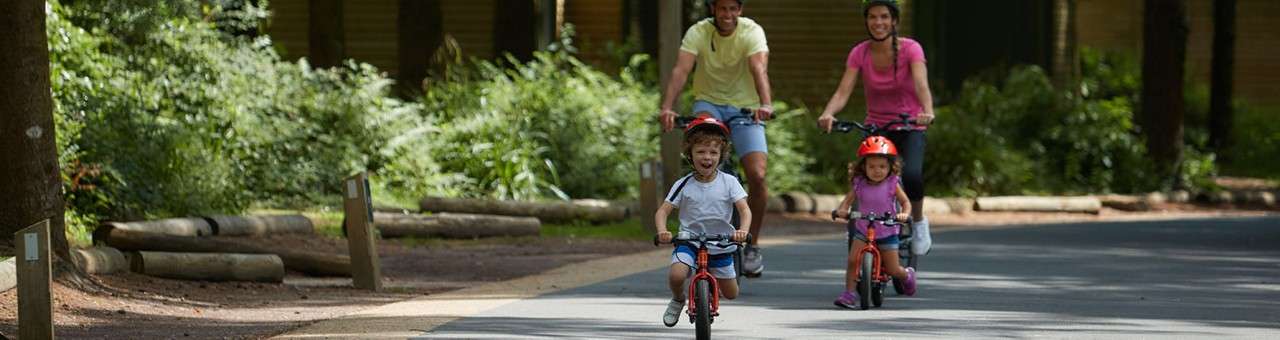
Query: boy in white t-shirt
{"points": [[705, 196]]}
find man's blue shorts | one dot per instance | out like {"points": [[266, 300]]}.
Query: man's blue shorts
{"points": [[747, 135]]}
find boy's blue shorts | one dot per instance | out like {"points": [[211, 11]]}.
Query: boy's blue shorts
{"points": [[721, 264]]}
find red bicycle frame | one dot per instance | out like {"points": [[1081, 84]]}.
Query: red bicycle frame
{"points": [[704, 274], [876, 273]]}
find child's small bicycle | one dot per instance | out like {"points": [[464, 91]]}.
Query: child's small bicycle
{"points": [[870, 274], [703, 290], [730, 167], [903, 123]]}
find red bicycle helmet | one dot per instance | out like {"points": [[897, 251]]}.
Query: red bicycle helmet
{"points": [[877, 145], [706, 122]]}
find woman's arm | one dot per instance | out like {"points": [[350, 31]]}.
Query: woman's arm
{"points": [[920, 74], [838, 99]]}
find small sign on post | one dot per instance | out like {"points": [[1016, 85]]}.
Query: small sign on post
{"points": [[358, 208], [35, 272], [650, 192]]}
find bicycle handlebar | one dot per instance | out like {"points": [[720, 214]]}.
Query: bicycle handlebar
{"points": [[903, 123], [747, 114], [685, 236], [886, 219]]}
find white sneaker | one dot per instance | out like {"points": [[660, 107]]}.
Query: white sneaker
{"points": [[921, 242], [672, 316]]}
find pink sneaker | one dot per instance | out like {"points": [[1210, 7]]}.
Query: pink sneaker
{"points": [[909, 286], [848, 300]]}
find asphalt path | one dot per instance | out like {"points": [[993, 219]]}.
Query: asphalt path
{"points": [[1206, 278]]}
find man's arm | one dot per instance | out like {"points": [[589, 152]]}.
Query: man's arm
{"points": [[759, 64], [679, 73]]}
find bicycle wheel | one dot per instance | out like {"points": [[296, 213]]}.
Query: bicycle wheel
{"points": [[737, 265], [702, 322], [877, 294], [864, 281]]}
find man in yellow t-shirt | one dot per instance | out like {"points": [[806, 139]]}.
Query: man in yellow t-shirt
{"points": [[732, 59]]}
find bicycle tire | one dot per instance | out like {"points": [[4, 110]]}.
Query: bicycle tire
{"points": [[864, 281], [702, 322]]}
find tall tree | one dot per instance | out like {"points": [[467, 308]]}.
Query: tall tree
{"points": [[30, 184], [326, 34], [1164, 54], [1221, 114], [421, 33], [514, 23], [1066, 53]]}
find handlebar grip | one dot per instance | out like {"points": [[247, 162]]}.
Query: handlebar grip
{"points": [[655, 240]]}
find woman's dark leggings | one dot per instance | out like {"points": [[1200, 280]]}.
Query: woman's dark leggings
{"points": [[910, 146]]}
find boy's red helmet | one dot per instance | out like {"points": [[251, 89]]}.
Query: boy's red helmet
{"points": [[706, 122], [877, 145]]}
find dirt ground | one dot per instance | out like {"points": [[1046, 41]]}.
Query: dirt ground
{"points": [[133, 306]]}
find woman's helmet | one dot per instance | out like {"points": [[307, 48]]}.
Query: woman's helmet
{"points": [[709, 123], [877, 145], [891, 4]]}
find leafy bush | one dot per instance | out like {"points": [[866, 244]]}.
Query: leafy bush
{"points": [[176, 117]]}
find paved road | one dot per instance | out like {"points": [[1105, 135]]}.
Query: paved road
{"points": [[1213, 278]]}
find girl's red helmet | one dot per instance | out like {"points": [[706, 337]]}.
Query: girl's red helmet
{"points": [[706, 122], [877, 145]]}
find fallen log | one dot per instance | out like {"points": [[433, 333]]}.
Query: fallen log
{"points": [[1125, 202], [546, 211], [307, 262], [224, 225], [1082, 204], [455, 225], [824, 204], [99, 260], [208, 266], [168, 226], [798, 202], [775, 205]]}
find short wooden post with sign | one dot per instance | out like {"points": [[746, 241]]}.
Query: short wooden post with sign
{"points": [[358, 208], [35, 272], [650, 192]]}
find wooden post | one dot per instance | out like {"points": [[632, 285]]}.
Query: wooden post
{"points": [[650, 192], [670, 23], [358, 208], [35, 305]]}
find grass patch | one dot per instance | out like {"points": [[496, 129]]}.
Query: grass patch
{"points": [[628, 229]]}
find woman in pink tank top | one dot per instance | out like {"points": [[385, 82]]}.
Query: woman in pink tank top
{"points": [[895, 81]]}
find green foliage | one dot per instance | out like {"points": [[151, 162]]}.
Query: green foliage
{"points": [[550, 127], [1078, 144], [1256, 143], [162, 114]]}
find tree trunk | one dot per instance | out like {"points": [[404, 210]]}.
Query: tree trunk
{"points": [[207, 266], [455, 225], [1164, 55], [421, 33], [311, 263], [261, 225], [514, 29], [1066, 52], [545, 211], [1083, 204], [168, 226], [1221, 114], [326, 34], [30, 184]]}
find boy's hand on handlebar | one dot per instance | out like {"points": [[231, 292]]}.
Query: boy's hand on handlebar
{"points": [[668, 119], [903, 217], [664, 237], [739, 235], [825, 122]]}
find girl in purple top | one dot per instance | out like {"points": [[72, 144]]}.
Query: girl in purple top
{"points": [[876, 190], [895, 81]]}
